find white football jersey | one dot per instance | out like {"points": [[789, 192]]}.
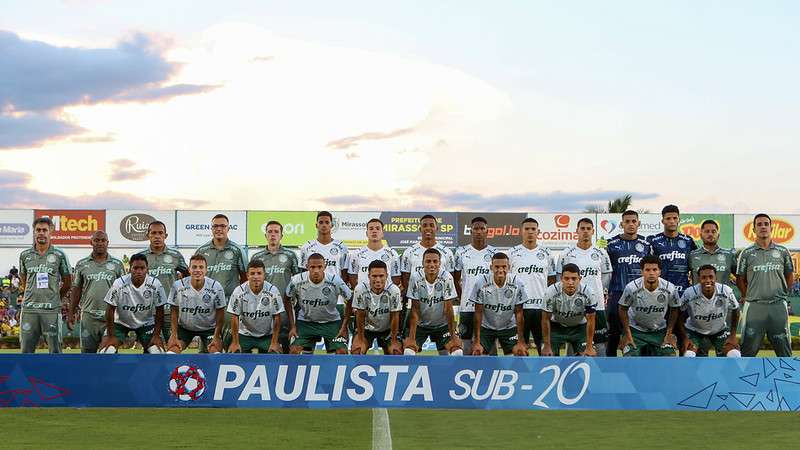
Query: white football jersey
{"points": [[532, 268], [411, 261], [473, 265], [360, 260], [593, 263]]}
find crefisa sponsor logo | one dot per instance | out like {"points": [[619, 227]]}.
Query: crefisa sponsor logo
{"points": [[134, 226]]}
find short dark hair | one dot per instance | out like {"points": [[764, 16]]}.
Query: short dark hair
{"points": [[479, 219], [324, 214], [530, 220], [273, 222], [571, 268], [316, 256], [669, 209], [156, 222], [432, 251], [499, 255], [256, 264], [706, 267], [630, 212], [427, 216], [138, 257], [585, 220], [650, 259], [198, 257], [709, 222], [377, 264], [221, 216], [45, 220], [375, 219], [760, 215]]}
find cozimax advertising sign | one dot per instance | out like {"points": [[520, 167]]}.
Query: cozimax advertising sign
{"points": [[784, 230], [73, 226], [559, 230], [502, 229], [15, 227], [128, 228]]}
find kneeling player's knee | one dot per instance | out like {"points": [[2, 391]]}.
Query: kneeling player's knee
{"points": [[294, 350], [341, 351]]}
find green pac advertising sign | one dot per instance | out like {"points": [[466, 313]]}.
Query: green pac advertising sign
{"points": [[690, 226], [298, 226]]}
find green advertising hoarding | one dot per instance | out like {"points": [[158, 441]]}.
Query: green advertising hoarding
{"points": [[690, 226], [298, 226]]}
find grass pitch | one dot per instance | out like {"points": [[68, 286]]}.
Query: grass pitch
{"points": [[410, 429]]}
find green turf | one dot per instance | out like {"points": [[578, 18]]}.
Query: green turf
{"points": [[351, 429]]}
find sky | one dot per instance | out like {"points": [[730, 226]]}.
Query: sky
{"points": [[362, 105]]}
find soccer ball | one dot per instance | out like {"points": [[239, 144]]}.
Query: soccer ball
{"points": [[187, 383]]}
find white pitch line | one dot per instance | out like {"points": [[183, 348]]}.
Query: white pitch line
{"points": [[381, 430]]}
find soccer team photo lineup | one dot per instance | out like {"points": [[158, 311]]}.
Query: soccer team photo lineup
{"points": [[663, 294]]}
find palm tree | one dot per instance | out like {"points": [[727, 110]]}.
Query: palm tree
{"points": [[618, 205]]}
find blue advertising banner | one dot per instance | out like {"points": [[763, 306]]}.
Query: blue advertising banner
{"points": [[275, 381]]}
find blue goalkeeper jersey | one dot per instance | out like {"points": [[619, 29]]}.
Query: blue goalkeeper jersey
{"points": [[626, 256], [674, 255]]}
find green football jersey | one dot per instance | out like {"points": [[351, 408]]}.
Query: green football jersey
{"points": [[42, 275], [766, 271], [163, 266], [95, 279], [723, 259], [280, 267], [226, 264]]}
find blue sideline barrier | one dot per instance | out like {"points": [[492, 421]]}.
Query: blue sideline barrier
{"points": [[274, 381]]}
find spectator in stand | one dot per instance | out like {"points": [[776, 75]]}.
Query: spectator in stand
{"points": [[13, 275]]}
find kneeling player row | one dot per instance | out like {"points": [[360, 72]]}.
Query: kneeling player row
{"points": [[649, 309]]}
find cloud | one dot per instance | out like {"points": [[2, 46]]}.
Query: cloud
{"points": [[28, 130], [126, 170], [40, 79], [350, 141], [421, 198], [18, 194], [156, 93]]}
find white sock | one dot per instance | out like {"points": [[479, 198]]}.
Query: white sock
{"points": [[689, 354], [734, 354], [457, 352], [409, 351], [109, 349], [170, 352], [154, 350]]}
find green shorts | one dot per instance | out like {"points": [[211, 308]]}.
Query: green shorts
{"points": [[507, 338], [37, 324], [439, 335], [649, 343], [92, 330], [143, 334], [703, 342], [186, 337], [574, 336], [309, 333], [250, 343]]}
